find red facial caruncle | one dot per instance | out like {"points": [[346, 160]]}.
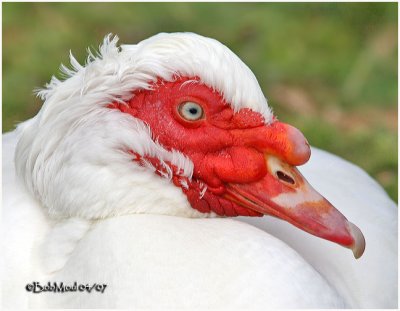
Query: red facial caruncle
{"points": [[242, 166]]}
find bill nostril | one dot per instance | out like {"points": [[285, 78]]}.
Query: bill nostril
{"points": [[285, 178]]}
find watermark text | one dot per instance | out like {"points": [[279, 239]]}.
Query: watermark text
{"points": [[60, 287]]}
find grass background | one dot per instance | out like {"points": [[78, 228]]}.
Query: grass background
{"points": [[329, 69]]}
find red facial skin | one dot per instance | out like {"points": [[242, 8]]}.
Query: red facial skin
{"points": [[232, 154], [225, 147]]}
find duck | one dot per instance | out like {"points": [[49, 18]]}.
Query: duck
{"points": [[143, 182]]}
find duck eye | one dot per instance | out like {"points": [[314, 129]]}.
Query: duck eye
{"points": [[190, 111]]}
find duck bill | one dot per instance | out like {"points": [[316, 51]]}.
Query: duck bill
{"points": [[286, 194]]}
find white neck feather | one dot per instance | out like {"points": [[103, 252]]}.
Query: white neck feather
{"points": [[76, 173]]}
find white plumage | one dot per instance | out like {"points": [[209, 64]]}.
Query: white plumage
{"points": [[90, 215]]}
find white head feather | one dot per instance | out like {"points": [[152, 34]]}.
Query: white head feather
{"points": [[73, 155]]}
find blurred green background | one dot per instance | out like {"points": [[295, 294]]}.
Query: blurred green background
{"points": [[329, 69]]}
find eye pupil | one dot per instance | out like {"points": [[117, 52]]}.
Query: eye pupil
{"points": [[193, 110]]}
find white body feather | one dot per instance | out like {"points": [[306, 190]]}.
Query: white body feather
{"points": [[165, 261]]}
